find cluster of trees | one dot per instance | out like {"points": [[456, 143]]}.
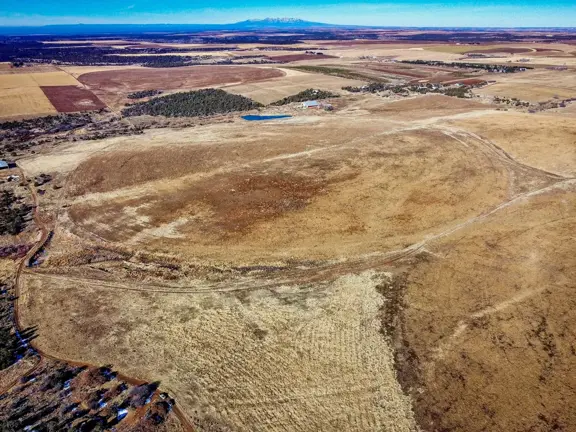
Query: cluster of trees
{"points": [[18, 135], [487, 67], [461, 91], [308, 94], [192, 104], [144, 93], [13, 215], [61, 397], [35, 52], [511, 101], [9, 342], [373, 87]]}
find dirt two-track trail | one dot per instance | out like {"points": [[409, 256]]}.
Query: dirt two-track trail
{"points": [[42, 356]]}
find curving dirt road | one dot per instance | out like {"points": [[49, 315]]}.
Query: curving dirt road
{"points": [[44, 235]]}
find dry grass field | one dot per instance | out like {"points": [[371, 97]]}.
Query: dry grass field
{"points": [[20, 80], [499, 352], [397, 264], [266, 357], [293, 82], [24, 102], [21, 94], [522, 135], [538, 85]]}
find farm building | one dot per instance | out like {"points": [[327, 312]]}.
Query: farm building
{"points": [[311, 104]]}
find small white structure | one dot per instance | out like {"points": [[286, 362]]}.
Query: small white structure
{"points": [[311, 104]]}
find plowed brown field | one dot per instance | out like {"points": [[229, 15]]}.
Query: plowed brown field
{"points": [[72, 99]]}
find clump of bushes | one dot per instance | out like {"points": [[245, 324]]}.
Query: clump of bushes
{"points": [[143, 94], [372, 87], [13, 216], [305, 95]]}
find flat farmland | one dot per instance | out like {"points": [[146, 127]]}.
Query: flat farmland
{"points": [[20, 80], [533, 93], [420, 108], [113, 86], [522, 135], [299, 57], [24, 102], [293, 82], [72, 98]]}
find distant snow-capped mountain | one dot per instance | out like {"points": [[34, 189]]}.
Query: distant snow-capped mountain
{"points": [[279, 23]]}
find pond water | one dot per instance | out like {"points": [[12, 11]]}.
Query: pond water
{"points": [[265, 117]]}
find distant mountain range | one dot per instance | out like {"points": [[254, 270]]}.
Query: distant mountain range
{"points": [[266, 24], [281, 23], [87, 29]]}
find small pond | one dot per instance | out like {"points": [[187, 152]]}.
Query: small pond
{"points": [[265, 117]]}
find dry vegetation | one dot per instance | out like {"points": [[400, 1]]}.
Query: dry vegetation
{"points": [[24, 102], [398, 264]]}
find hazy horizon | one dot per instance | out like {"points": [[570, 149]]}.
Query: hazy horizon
{"points": [[405, 13]]}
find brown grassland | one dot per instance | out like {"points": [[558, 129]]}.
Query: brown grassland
{"points": [[397, 264]]}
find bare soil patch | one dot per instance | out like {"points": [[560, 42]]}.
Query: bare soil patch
{"points": [[72, 98]]}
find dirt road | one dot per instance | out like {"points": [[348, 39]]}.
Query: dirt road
{"points": [[44, 235]]}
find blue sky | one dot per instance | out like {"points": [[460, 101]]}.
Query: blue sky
{"points": [[498, 13]]}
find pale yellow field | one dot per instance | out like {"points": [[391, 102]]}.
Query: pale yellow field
{"points": [[24, 101], [76, 71], [522, 91], [295, 81], [54, 79], [16, 81], [188, 53]]}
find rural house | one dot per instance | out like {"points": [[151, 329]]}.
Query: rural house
{"points": [[311, 104]]}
